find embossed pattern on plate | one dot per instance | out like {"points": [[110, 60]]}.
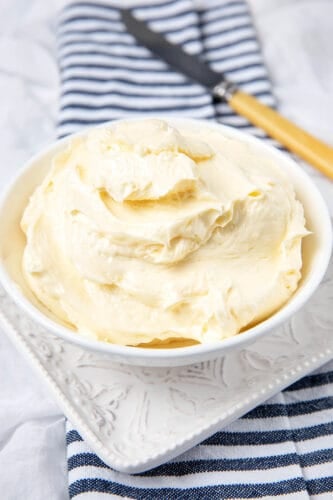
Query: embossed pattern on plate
{"points": [[136, 418]]}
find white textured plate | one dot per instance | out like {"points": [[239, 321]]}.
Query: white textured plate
{"points": [[137, 418]]}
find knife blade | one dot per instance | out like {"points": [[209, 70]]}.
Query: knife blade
{"points": [[187, 64], [297, 140]]}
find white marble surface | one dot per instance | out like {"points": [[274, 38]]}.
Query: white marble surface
{"points": [[297, 40]]}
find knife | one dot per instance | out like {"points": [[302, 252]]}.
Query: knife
{"points": [[297, 140]]}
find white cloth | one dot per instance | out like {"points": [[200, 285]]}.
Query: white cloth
{"points": [[297, 40]]}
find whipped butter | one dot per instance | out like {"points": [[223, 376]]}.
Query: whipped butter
{"points": [[142, 233]]}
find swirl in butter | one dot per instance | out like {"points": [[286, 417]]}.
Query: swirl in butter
{"points": [[142, 233]]}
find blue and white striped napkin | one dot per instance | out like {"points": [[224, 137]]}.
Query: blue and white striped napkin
{"points": [[106, 74], [284, 447]]}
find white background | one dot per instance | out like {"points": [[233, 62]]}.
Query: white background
{"points": [[297, 41]]}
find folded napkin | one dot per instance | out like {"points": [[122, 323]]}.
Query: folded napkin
{"points": [[284, 447], [107, 75]]}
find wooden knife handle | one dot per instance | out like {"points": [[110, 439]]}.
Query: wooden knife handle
{"points": [[310, 149]]}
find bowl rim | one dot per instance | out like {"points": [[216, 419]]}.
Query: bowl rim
{"points": [[137, 355]]}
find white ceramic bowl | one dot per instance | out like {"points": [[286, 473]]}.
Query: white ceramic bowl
{"points": [[316, 254]]}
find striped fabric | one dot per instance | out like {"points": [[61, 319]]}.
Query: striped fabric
{"points": [[284, 447], [107, 75]]}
